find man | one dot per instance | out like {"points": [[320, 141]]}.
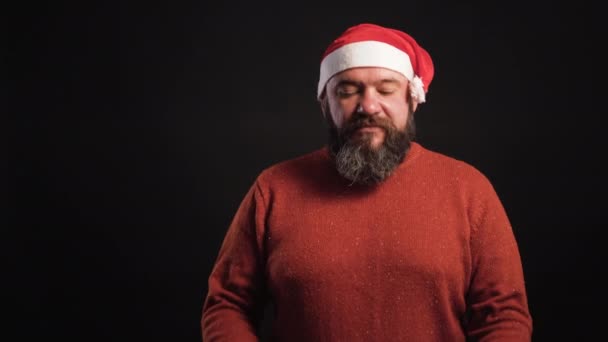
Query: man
{"points": [[373, 238]]}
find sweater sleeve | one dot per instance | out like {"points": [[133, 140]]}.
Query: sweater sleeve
{"points": [[497, 300], [235, 298]]}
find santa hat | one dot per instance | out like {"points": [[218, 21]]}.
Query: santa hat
{"points": [[370, 45]]}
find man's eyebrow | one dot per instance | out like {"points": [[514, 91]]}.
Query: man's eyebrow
{"points": [[389, 80], [346, 82]]}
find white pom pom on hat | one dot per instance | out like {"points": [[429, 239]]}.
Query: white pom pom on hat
{"points": [[371, 45]]}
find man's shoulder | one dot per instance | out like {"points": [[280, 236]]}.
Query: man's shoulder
{"points": [[302, 166], [449, 164]]}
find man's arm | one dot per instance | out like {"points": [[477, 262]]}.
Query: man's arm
{"points": [[497, 300], [234, 302]]}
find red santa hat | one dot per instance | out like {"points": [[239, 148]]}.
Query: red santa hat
{"points": [[370, 45]]}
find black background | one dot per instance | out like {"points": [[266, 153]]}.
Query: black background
{"points": [[140, 126]]}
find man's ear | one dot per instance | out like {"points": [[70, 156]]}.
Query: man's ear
{"points": [[323, 104], [409, 99]]}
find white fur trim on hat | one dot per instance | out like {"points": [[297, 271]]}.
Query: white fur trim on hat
{"points": [[369, 54], [417, 90]]}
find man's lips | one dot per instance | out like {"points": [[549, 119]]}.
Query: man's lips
{"points": [[369, 129]]}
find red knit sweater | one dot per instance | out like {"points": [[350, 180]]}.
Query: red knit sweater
{"points": [[427, 255]]}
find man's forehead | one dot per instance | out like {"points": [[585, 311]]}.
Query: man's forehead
{"points": [[368, 75]]}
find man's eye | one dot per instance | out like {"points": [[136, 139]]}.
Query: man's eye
{"points": [[347, 91], [386, 91]]}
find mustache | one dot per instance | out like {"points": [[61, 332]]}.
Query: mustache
{"points": [[361, 120]]}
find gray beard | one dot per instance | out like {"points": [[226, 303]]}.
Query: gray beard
{"points": [[355, 158]]}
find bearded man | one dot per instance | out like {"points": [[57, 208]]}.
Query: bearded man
{"points": [[373, 237]]}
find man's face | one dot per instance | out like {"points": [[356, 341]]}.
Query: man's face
{"points": [[371, 122], [375, 92]]}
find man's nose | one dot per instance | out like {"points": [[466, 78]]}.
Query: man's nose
{"points": [[368, 103]]}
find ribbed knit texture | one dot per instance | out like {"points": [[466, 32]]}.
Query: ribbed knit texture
{"points": [[427, 255]]}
